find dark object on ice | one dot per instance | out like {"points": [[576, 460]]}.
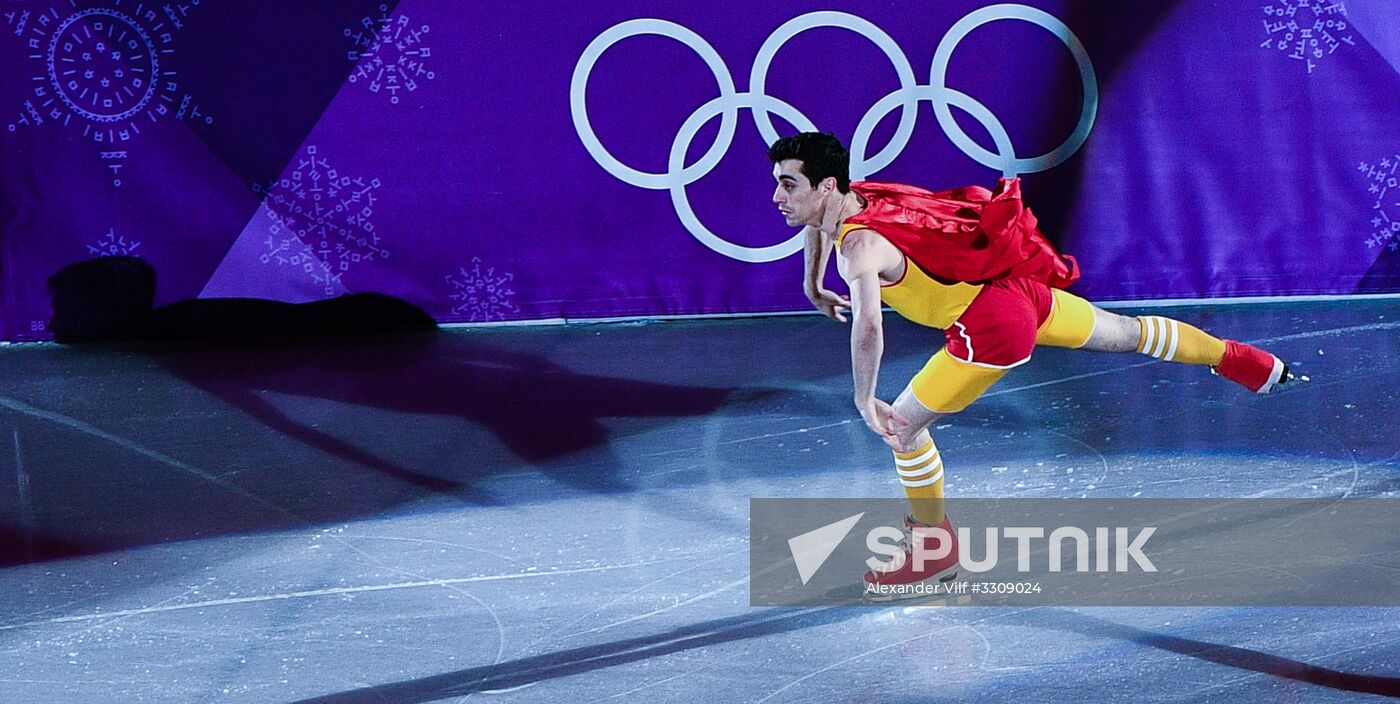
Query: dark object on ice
{"points": [[111, 299]]}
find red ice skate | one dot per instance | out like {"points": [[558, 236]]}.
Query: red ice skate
{"points": [[1252, 367], [917, 575]]}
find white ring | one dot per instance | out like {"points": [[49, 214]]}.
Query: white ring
{"points": [[758, 78], [1007, 162], [578, 105], [697, 119], [677, 175]]}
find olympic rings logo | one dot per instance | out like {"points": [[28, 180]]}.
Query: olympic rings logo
{"points": [[678, 175]]}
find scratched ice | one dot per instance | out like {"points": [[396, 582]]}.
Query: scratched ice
{"points": [[414, 521]]}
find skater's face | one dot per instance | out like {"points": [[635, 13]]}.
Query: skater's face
{"points": [[798, 201]]}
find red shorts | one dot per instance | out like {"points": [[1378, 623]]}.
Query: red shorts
{"points": [[999, 327]]}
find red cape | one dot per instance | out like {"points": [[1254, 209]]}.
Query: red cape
{"points": [[967, 234]]}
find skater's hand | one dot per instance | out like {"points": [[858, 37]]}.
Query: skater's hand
{"points": [[833, 305], [882, 420]]}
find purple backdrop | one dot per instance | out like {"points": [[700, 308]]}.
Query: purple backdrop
{"points": [[500, 161]]}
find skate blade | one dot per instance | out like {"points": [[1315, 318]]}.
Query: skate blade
{"points": [[1291, 377]]}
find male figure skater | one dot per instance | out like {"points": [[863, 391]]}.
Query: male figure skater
{"points": [[970, 262]]}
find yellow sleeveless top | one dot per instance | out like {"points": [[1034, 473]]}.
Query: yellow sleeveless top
{"points": [[918, 297]]}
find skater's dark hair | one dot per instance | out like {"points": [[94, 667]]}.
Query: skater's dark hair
{"points": [[822, 156]]}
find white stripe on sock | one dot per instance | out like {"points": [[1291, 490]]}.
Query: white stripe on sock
{"points": [[1162, 331], [1176, 337], [920, 471], [930, 452], [925, 482]]}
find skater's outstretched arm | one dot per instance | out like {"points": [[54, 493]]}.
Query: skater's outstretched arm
{"points": [[864, 254]]}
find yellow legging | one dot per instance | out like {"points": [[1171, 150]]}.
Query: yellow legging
{"points": [[948, 385]]}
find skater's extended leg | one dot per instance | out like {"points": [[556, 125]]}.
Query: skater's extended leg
{"points": [[1076, 323]]}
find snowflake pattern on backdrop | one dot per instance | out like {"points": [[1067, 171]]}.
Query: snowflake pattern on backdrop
{"points": [[1385, 187], [321, 220], [17, 20], [481, 294], [104, 68], [389, 55], [112, 245], [1307, 30]]}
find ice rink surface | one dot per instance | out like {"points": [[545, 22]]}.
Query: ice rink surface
{"points": [[559, 514]]}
